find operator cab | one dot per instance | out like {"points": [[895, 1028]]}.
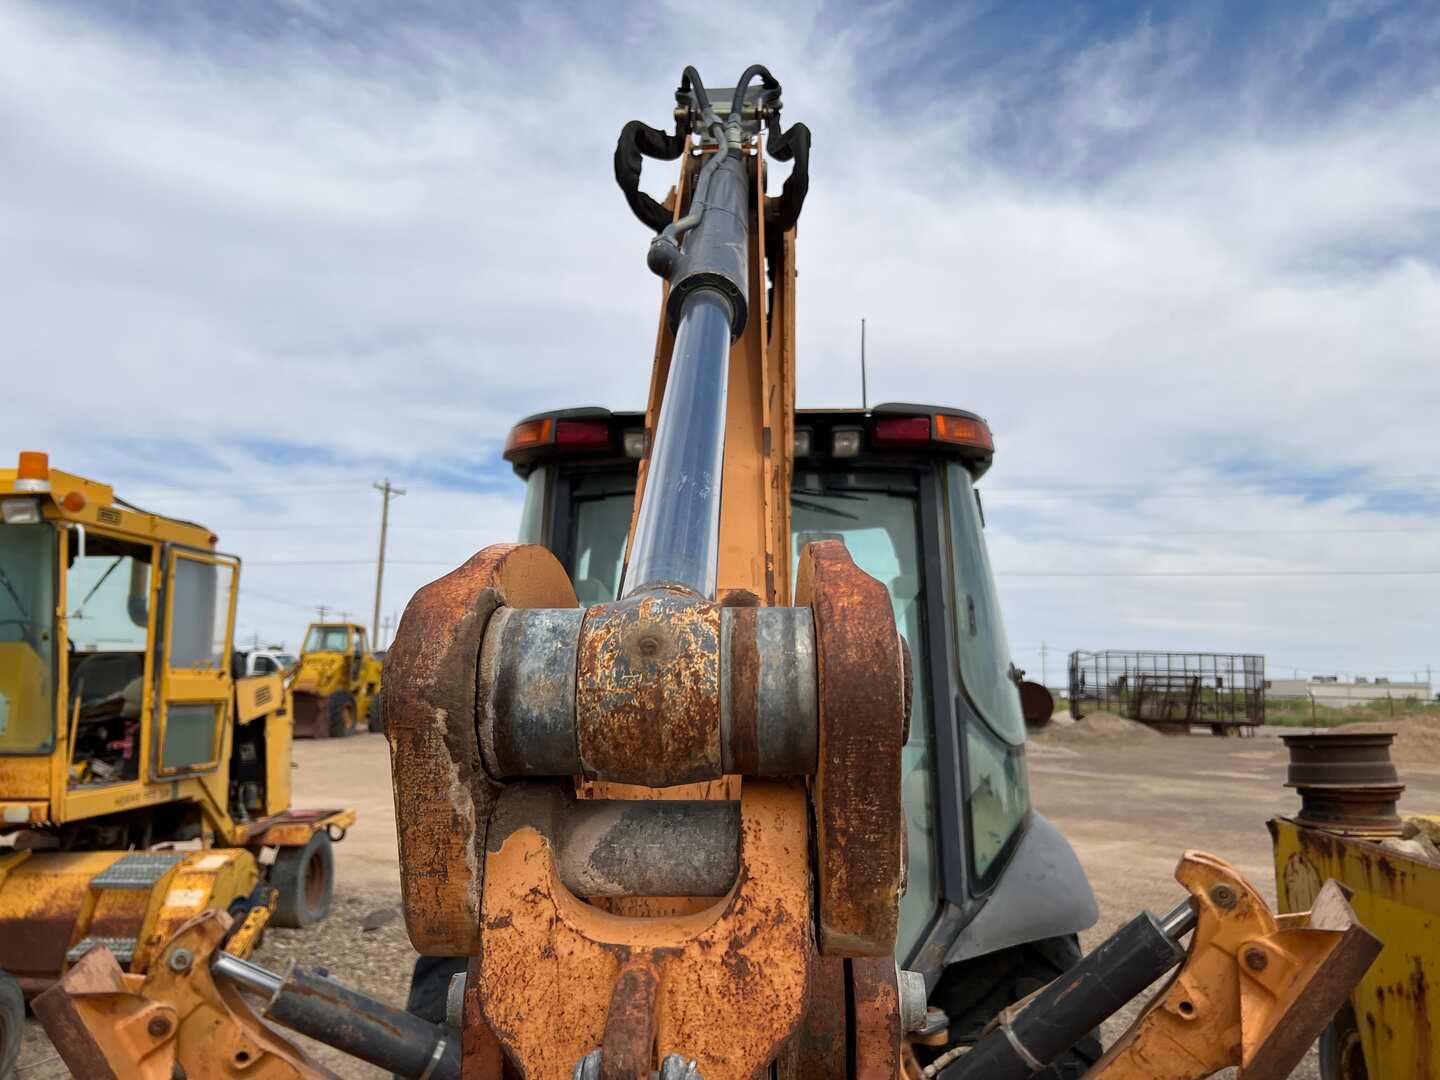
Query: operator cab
{"points": [[896, 483], [345, 639]]}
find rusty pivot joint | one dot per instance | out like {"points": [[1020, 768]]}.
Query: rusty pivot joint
{"points": [[659, 688]]}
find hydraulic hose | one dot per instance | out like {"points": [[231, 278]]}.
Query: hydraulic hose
{"points": [[340, 1017]]}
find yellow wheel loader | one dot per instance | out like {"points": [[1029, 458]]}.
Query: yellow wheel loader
{"points": [[722, 774], [336, 683], [141, 781]]}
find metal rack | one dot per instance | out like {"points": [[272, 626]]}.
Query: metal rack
{"points": [[1171, 690]]}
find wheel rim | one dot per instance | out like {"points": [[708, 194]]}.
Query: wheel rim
{"points": [[349, 717], [314, 884]]}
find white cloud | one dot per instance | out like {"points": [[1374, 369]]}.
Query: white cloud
{"points": [[391, 252]]}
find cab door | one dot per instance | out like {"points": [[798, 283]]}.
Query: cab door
{"points": [[195, 685]]}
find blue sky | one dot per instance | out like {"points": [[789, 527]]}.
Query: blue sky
{"points": [[1186, 258]]}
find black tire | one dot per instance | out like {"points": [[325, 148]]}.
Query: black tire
{"points": [[1342, 1057], [305, 877], [12, 1023], [340, 710], [972, 993], [375, 714]]}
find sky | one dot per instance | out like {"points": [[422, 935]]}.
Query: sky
{"points": [[1184, 258]]}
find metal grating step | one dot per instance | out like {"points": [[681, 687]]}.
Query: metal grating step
{"points": [[122, 948], [137, 871]]}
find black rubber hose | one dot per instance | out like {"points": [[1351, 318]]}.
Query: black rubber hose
{"points": [[783, 211], [690, 83], [766, 79], [639, 140]]}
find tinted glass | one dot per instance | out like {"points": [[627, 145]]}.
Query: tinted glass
{"points": [[327, 639], [984, 650], [27, 638], [997, 795], [601, 528], [199, 614], [107, 596], [532, 515], [189, 735], [881, 532]]}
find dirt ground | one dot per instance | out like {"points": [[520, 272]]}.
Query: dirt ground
{"points": [[1129, 802]]}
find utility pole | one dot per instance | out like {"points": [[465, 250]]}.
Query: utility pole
{"points": [[864, 390], [321, 611], [1044, 649], [388, 493]]}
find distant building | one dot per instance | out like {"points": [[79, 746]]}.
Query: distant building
{"points": [[1329, 690]]}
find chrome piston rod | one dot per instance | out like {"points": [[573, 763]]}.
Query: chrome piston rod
{"points": [[677, 534]]}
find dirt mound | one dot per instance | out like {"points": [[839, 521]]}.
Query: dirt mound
{"points": [[1095, 728], [1417, 738]]}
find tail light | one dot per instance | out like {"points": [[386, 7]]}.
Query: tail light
{"points": [[557, 433], [593, 434], [890, 430]]}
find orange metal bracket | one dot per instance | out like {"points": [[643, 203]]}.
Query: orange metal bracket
{"points": [[1255, 990]]}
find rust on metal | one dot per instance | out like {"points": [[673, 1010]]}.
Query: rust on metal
{"points": [[1222, 1008], [443, 797], [732, 977], [647, 694], [859, 819], [480, 1054], [1037, 704], [742, 690], [1396, 895], [817, 1050], [1346, 782], [875, 993], [105, 1023], [628, 1049]]}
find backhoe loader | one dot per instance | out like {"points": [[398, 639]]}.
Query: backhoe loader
{"points": [[720, 771], [336, 683], [141, 781]]}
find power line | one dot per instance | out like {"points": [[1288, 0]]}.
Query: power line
{"points": [[1211, 573], [247, 592], [350, 562], [1310, 530]]}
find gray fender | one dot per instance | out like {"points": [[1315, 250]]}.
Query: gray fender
{"points": [[1042, 893]]}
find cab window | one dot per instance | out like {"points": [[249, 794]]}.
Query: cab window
{"points": [[108, 596], [878, 519], [28, 557], [327, 639], [997, 791]]}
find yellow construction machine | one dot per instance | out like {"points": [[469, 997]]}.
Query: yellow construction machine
{"points": [[336, 683], [141, 782], [722, 773], [1349, 828]]}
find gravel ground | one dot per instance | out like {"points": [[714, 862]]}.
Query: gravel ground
{"points": [[1130, 803]]}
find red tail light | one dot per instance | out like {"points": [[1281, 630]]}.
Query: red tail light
{"points": [[590, 433], [902, 429]]}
